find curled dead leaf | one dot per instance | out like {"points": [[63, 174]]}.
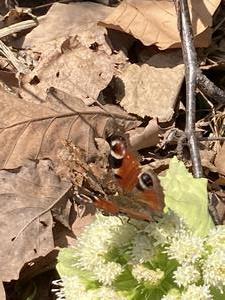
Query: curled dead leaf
{"points": [[155, 22], [148, 136]]}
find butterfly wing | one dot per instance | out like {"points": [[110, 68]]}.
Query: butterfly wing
{"points": [[141, 183]]}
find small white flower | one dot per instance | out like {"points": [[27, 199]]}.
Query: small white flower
{"points": [[197, 293], [106, 272], [216, 238], [71, 288], [108, 294], [185, 248], [96, 240], [173, 294], [214, 269], [141, 273], [185, 275]]}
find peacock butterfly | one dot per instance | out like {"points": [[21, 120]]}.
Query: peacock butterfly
{"points": [[138, 194]]}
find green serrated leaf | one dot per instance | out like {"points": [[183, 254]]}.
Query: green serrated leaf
{"points": [[66, 260], [187, 197]]}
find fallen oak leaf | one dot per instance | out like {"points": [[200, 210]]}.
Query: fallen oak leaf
{"points": [[31, 131]]}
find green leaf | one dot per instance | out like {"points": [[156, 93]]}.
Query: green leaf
{"points": [[118, 255], [187, 197], [125, 281], [147, 293], [217, 294], [133, 290], [66, 260]]}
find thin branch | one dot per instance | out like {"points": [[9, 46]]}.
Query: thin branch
{"points": [[203, 83], [208, 88], [190, 60]]}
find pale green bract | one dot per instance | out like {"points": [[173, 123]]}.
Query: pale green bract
{"points": [[169, 260], [187, 197]]}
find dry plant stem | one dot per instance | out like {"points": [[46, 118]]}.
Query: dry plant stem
{"points": [[5, 51], [190, 60], [14, 28]]}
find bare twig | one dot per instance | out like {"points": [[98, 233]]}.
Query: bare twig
{"points": [[208, 88], [203, 83], [190, 60]]}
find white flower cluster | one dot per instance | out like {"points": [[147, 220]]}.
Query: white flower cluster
{"points": [[193, 292], [94, 243], [186, 275], [199, 262], [72, 288], [185, 248]]}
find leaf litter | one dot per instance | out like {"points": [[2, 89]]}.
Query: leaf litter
{"points": [[144, 20], [81, 68]]}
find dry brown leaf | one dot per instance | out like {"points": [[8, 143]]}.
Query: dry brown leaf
{"points": [[152, 88], [155, 22], [148, 136], [2, 291], [79, 218], [75, 56], [72, 19], [25, 194], [31, 131], [220, 160], [75, 69], [218, 205], [207, 157]]}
